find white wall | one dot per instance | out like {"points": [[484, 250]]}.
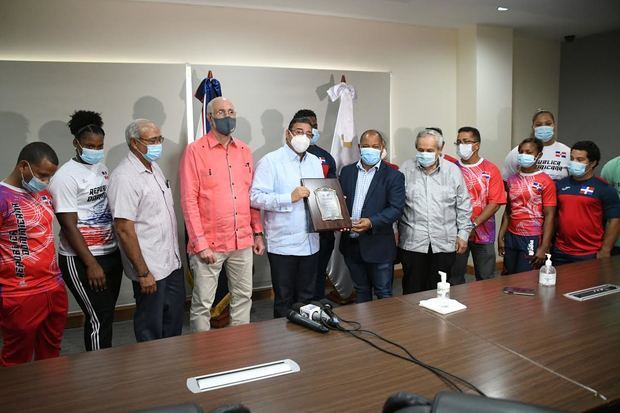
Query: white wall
{"points": [[422, 60], [466, 77], [494, 90], [536, 81], [426, 75]]}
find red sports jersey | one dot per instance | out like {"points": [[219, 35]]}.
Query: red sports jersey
{"points": [[528, 194], [27, 253], [583, 208], [485, 185]]}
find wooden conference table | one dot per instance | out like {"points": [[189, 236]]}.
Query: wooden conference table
{"points": [[579, 341], [545, 350]]}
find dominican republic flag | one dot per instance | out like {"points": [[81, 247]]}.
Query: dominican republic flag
{"points": [[560, 154], [537, 186], [209, 89], [586, 190]]}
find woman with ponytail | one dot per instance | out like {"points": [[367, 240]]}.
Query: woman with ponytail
{"points": [[88, 251]]}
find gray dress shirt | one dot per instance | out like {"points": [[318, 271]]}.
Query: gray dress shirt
{"points": [[437, 208]]}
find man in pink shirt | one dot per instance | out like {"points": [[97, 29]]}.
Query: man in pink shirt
{"points": [[216, 174]]}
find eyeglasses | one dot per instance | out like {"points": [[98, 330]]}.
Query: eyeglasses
{"points": [[223, 113], [153, 141], [457, 143], [301, 132]]}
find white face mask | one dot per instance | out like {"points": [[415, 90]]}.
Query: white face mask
{"points": [[465, 151], [300, 143]]}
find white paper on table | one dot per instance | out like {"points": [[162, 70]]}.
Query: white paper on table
{"points": [[442, 305]]}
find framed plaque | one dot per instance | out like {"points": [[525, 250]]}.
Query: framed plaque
{"points": [[326, 203]]}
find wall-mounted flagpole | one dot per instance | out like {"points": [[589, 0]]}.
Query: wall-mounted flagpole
{"points": [[189, 107]]}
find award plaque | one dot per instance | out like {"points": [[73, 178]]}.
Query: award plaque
{"points": [[328, 209]]}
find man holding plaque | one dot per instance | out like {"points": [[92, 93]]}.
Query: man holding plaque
{"points": [[276, 189], [375, 195], [327, 239]]}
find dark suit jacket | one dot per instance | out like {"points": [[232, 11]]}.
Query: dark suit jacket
{"points": [[383, 205]]}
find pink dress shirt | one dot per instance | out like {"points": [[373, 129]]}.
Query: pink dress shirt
{"points": [[215, 195]]}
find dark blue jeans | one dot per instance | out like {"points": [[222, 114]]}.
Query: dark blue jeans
{"points": [[368, 277], [160, 315]]}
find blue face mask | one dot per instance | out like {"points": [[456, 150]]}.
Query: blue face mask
{"points": [[544, 133], [425, 159], [91, 156], [153, 152], [315, 136], [370, 156], [525, 160], [34, 184], [577, 169]]}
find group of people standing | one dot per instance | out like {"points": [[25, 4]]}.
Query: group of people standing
{"points": [[431, 214]]}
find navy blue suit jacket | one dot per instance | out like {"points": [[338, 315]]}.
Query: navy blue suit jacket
{"points": [[383, 205]]}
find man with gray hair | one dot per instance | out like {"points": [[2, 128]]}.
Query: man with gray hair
{"points": [[435, 224], [140, 199]]}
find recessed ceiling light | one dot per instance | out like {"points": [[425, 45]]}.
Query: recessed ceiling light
{"points": [[500, 8]]}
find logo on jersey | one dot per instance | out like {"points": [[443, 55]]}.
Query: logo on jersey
{"points": [[105, 175], [46, 200], [587, 190], [560, 154], [537, 186], [566, 188], [485, 175]]}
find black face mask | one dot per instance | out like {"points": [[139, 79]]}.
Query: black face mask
{"points": [[226, 125]]}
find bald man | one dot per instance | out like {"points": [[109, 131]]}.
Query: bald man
{"points": [[216, 174]]}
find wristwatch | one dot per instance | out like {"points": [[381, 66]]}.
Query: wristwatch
{"points": [[258, 234], [147, 272]]}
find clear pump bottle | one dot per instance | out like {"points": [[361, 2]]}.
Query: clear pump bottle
{"points": [[547, 273], [443, 287]]}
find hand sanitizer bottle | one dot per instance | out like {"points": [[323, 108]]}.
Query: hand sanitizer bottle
{"points": [[443, 287], [547, 273]]}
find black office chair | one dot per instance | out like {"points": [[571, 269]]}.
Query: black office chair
{"points": [[194, 408], [450, 402], [175, 408], [231, 408]]}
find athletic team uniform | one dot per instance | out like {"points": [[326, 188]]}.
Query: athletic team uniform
{"points": [[33, 300], [485, 185], [583, 209], [82, 189], [528, 194]]}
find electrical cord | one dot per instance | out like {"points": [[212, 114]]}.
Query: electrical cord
{"points": [[356, 331]]}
